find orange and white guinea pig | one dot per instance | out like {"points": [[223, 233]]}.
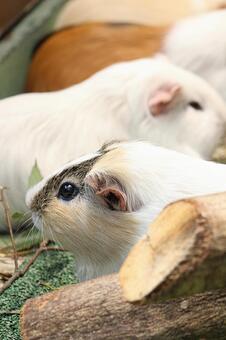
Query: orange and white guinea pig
{"points": [[75, 53]]}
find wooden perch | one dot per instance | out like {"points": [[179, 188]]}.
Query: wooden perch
{"points": [[96, 310], [183, 253]]}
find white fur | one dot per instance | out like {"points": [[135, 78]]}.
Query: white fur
{"points": [[54, 128], [144, 12], [198, 44], [101, 238], [203, 5]]}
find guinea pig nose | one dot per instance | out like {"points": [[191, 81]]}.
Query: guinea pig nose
{"points": [[68, 191]]}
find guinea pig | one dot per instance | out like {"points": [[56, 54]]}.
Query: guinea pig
{"points": [[72, 55], [144, 99], [143, 12], [100, 205], [204, 5], [198, 44]]}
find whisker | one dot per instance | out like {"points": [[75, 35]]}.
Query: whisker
{"points": [[68, 231], [35, 234], [42, 232], [24, 222], [29, 233], [55, 239]]}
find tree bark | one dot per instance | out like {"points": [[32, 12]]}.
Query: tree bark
{"points": [[183, 253], [96, 310]]}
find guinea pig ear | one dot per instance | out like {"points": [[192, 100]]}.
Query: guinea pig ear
{"points": [[162, 97], [109, 191]]}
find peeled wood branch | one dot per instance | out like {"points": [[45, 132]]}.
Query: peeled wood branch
{"points": [[183, 253], [96, 310]]}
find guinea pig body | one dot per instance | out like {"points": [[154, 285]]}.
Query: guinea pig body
{"points": [[144, 12], [198, 44], [148, 98], [99, 206], [83, 46], [208, 5], [72, 55]]}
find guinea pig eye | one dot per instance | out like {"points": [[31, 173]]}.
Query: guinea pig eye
{"points": [[68, 191], [196, 105]]}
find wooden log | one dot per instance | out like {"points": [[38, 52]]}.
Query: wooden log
{"points": [[96, 310], [183, 253]]}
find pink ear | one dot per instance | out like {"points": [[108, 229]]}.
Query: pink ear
{"points": [[162, 98], [114, 198], [109, 190]]}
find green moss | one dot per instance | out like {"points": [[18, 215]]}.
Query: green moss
{"points": [[51, 270]]}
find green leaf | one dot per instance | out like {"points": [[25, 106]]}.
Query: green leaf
{"points": [[17, 216], [35, 175]]}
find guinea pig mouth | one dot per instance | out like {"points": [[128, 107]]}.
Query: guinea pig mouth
{"points": [[37, 220]]}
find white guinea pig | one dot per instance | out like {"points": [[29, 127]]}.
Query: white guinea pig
{"points": [[198, 44], [207, 5], [146, 98], [100, 205]]}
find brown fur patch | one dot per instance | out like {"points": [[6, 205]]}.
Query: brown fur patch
{"points": [[74, 54]]}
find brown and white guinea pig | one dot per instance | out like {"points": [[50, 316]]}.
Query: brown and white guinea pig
{"points": [[198, 44], [105, 33], [72, 55], [143, 99], [100, 205]]}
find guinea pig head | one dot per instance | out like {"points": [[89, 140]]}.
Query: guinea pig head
{"points": [[89, 208], [175, 108]]}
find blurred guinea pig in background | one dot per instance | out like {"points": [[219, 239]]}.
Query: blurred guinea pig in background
{"points": [[97, 33], [99, 206], [204, 52], [148, 99], [146, 12], [208, 5], [73, 54]]}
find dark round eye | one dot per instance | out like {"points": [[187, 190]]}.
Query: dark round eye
{"points": [[68, 191], [196, 106]]}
